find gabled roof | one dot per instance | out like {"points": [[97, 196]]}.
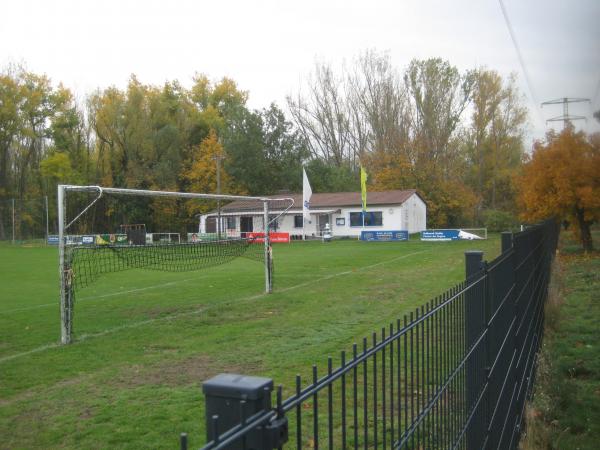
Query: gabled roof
{"points": [[338, 199]]}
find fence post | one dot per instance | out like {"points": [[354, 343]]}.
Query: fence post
{"points": [[13, 222], [507, 241], [47, 224], [473, 315], [228, 397]]}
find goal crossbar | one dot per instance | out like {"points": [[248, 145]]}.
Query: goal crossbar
{"points": [[150, 193]]}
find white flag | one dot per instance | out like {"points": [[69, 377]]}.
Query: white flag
{"points": [[306, 194]]}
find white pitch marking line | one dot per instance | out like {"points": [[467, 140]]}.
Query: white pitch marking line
{"points": [[201, 310], [112, 294]]}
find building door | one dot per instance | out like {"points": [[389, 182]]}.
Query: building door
{"points": [[211, 224], [323, 219], [246, 225]]}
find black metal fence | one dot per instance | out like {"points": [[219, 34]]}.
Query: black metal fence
{"points": [[454, 373]]}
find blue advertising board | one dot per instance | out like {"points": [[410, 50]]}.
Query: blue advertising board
{"points": [[440, 235], [52, 239], [394, 235]]}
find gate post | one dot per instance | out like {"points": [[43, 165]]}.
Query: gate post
{"points": [[230, 399], [473, 322], [507, 241]]}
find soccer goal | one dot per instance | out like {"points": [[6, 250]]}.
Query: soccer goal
{"points": [[473, 233], [114, 227], [163, 238]]}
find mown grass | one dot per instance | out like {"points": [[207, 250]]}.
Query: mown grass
{"points": [[145, 340], [565, 413]]}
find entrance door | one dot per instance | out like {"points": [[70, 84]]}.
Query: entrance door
{"points": [[246, 225], [323, 219], [211, 224]]}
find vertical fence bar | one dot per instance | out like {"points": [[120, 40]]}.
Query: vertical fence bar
{"points": [[13, 221], [398, 381], [375, 424], [315, 411], [365, 398], [473, 260], [343, 357], [405, 377], [355, 394], [298, 414], [392, 384], [507, 241], [383, 396], [412, 380], [330, 404]]}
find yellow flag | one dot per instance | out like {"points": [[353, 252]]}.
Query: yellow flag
{"points": [[363, 188]]}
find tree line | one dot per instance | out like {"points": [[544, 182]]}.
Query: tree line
{"points": [[457, 137]]}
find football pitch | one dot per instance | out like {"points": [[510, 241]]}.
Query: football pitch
{"points": [[145, 340]]}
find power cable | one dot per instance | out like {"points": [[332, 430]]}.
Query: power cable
{"points": [[522, 62]]}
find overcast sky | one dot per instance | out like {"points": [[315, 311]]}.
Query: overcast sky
{"points": [[270, 47]]}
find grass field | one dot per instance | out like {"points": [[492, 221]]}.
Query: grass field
{"points": [[145, 340], [565, 413]]}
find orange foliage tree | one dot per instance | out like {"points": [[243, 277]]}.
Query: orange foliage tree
{"points": [[201, 173], [562, 180]]}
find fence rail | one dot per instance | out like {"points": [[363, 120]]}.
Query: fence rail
{"points": [[453, 374]]}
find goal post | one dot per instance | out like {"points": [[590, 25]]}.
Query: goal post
{"points": [[111, 252]]}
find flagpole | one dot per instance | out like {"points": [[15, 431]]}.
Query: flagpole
{"points": [[363, 195], [303, 233], [306, 194], [363, 222]]}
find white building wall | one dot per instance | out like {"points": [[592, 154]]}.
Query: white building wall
{"points": [[411, 216], [415, 210]]}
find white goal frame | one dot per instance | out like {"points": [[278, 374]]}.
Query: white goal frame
{"points": [[477, 231], [66, 293]]}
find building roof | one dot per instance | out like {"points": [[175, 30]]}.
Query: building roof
{"points": [[338, 199]]}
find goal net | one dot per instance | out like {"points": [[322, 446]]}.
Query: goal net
{"points": [[122, 229]]}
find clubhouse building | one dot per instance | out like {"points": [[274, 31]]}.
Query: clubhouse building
{"points": [[386, 211]]}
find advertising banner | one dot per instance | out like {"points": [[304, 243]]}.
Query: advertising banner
{"points": [[393, 235], [202, 237], [111, 239], [53, 239], [274, 237], [440, 235]]}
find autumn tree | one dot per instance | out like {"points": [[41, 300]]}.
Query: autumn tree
{"points": [[201, 176], [494, 140], [439, 94], [562, 180]]}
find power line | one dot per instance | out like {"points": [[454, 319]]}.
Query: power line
{"points": [[522, 62]]}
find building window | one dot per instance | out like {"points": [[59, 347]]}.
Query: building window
{"points": [[298, 223], [273, 223], [230, 223], [340, 221], [372, 219]]}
